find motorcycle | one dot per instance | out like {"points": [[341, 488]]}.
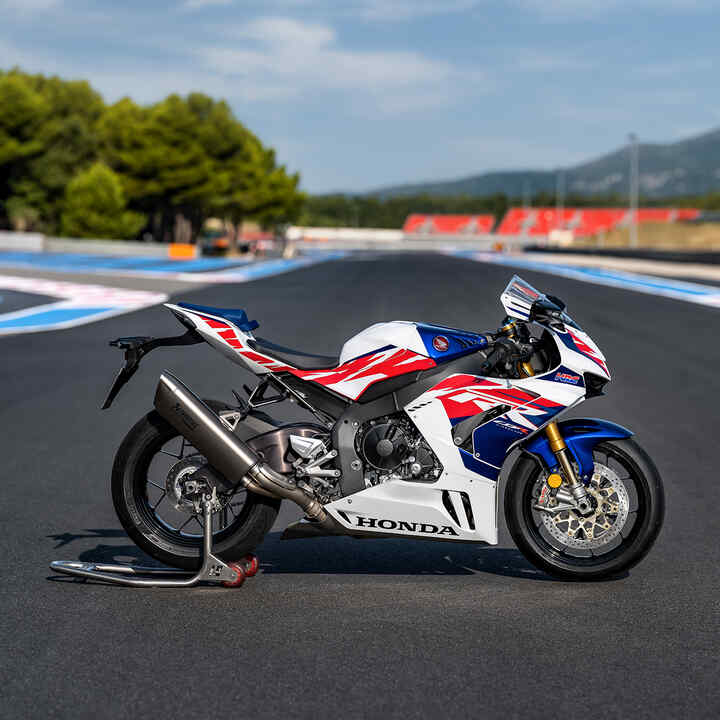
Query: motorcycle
{"points": [[411, 426]]}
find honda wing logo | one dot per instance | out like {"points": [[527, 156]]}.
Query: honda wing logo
{"points": [[441, 343]]}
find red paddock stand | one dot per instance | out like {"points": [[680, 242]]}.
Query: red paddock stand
{"points": [[213, 570]]}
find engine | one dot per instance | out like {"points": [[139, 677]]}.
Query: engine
{"points": [[393, 449], [390, 447]]}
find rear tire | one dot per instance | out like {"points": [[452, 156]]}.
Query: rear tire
{"points": [[130, 498], [633, 540]]}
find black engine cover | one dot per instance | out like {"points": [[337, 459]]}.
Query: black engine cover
{"points": [[385, 446]]}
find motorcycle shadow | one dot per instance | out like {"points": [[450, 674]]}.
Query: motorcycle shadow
{"points": [[386, 556], [339, 555], [102, 553]]}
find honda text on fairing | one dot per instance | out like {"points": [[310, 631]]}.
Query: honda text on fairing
{"points": [[411, 426]]}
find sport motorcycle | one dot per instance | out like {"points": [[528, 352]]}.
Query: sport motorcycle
{"points": [[408, 431]]}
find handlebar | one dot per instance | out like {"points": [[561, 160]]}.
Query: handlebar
{"points": [[510, 344]]}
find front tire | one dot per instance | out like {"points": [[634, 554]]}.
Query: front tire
{"points": [[138, 489], [626, 484]]}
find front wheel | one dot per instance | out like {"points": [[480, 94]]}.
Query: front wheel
{"points": [[627, 512]]}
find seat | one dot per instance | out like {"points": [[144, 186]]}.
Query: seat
{"points": [[296, 358]]}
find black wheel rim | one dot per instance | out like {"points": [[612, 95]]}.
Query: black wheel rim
{"points": [[157, 508]]}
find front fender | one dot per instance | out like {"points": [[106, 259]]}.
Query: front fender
{"points": [[581, 436]]}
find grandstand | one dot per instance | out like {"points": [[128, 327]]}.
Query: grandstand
{"points": [[541, 221], [448, 224], [583, 221]]}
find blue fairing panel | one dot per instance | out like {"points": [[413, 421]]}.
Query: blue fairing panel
{"points": [[581, 435], [237, 317], [456, 342]]}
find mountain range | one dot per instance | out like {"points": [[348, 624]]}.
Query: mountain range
{"points": [[685, 167]]}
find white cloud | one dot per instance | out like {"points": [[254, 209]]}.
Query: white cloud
{"points": [[530, 60], [279, 57], [671, 68], [405, 10], [575, 9], [201, 4], [26, 6], [372, 10], [399, 10]]}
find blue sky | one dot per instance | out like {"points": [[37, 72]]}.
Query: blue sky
{"points": [[365, 93]]}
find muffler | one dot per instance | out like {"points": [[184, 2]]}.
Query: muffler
{"points": [[225, 452]]}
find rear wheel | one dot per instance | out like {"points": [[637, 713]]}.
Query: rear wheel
{"points": [[627, 501], [149, 467]]}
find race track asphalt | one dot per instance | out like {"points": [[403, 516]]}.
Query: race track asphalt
{"points": [[342, 628]]}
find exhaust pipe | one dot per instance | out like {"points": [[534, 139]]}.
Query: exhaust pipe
{"points": [[193, 419]]}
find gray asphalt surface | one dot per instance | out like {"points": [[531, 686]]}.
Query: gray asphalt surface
{"points": [[13, 300], [340, 627]]}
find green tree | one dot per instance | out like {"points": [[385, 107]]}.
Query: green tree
{"points": [[255, 187], [47, 131], [182, 158], [24, 110], [95, 206], [191, 157]]}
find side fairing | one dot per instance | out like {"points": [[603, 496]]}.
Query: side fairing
{"points": [[579, 351], [506, 411]]}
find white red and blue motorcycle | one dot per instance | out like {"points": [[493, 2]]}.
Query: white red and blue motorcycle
{"points": [[411, 426]]}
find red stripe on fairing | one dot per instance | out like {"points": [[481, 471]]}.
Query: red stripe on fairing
{"points": [[214, 323], [586, 350], [458, 381], [544, 403], [268, 362], [465, 395], [515, 395], [397, 362]]}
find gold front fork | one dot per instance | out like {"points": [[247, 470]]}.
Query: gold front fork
{"points": [[558, 446]]}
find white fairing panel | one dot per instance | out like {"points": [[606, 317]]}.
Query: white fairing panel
{"points": [[400, 507], [398, 333], [413, 509], [579, 352]]}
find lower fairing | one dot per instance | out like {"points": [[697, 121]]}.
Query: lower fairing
{"points": [[452, 508]]}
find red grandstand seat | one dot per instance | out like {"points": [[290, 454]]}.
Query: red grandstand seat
{"points": [[514, 221], [415, 223], [449, 224]]}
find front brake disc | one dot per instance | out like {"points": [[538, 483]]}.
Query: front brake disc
{"points": [[611, 505]]}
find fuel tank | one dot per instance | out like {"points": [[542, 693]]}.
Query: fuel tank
{"points": [[432, 341]]}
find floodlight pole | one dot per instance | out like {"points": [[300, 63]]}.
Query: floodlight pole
{"points": [[634, 188], [560, 197]]}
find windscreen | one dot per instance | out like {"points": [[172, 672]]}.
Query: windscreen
{"points": [[518, 298], [521, 300]]}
